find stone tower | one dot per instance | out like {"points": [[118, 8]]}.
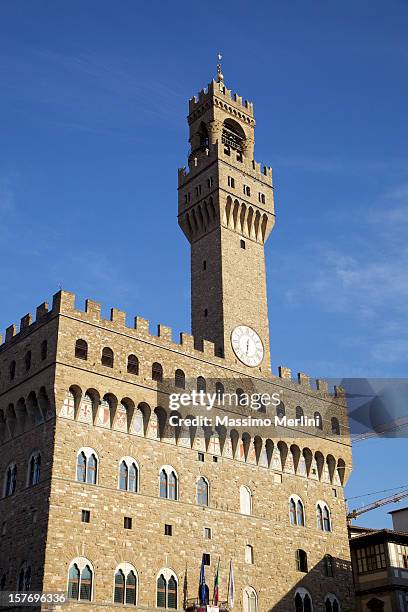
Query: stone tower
{"points": [[226, 210]]}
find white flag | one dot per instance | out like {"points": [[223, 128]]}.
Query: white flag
{"points": [[231, 585]]}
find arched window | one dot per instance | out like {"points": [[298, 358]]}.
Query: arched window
{"points": [[107, 357], [27, 579], [91, 469], [180, 379], [245, 499], [331, 603], [323, 516], [34, 469], [157, 372], [203, 133], [250, 601], [80, 580], [27, 360], [125, 587], [119, 594], [319, 514], [133, 365], [123, 476], [161, 592], [44, 350], [12, 370], [303, 601], [24, 578], [85, 587], [319, 421], [292, 511], [172, 593], [81, 349], [201, 384], [166, 592], [280, 410], [163, 484], [20, 585], [10, 484], [249, 554], [233, 136], [301, 560], [335, 425], [296, 511], [73, 582], [128, 475], [81, 467], [168, 483], [219, 390], [299, 412], [172, 485], [131, 588], [202, 492], [326, 519], [87, 466], [300, 513], [328, 566]]}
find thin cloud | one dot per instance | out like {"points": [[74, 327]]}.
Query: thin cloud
{"points": [[366, 280]]}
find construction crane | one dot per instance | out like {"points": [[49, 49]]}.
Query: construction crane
{"points": [[392, 499]]}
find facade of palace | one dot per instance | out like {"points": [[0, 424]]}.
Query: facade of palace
{"points": [[103, 498], [379, 559]]}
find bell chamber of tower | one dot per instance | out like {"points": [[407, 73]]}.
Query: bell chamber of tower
{"points": [[226, 211]]}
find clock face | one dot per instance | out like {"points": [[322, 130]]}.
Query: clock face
{"points": [[247, 345]]}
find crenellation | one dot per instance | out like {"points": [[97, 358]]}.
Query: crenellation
{"points": [[215, 89], [256, 166], [303, 379], [63, 301], [321, 385], [208, 348], [142, 326], [93, 309], [187, 341], [118, 316], [284, 372], [339, 391], [41, 311], [165, 333], [215, 151], [10, 333], [25, 321]]}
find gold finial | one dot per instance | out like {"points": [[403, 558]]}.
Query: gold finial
{"points": [[220, 76]]}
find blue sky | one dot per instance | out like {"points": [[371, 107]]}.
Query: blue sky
{"points": [[93, 101]]}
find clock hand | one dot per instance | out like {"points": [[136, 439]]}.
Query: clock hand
{"points": [[247, 346]]}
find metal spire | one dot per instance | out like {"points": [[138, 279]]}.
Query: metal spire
{"points": [[220, 76]]}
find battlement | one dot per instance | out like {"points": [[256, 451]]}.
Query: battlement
{"points": [[219, 89], [214, 151], [64, 303]]}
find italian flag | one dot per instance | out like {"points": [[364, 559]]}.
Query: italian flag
{"points": [[216, 596]]}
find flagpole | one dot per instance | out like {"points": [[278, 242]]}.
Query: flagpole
{"points": [[217, 581], [229, 580]]}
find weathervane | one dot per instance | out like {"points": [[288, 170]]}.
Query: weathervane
{"points": [[220, 76]]}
